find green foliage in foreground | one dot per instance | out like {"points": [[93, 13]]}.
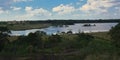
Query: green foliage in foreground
{"points": [[115, 35], [39, 46]]}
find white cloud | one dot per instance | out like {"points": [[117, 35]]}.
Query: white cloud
{"points": [[3, 11], [39, 11], [30, 12], [16, 8], [21, 0], [64, 9], [28, 9], [98, 6]]}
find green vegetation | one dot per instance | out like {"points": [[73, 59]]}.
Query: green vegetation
{"points": [[24, 25], [3, 37], [101, 35], [27, 26], [115, 35], [67, 46]]}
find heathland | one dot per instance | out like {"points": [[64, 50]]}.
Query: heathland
{"points": [[66, 46]]}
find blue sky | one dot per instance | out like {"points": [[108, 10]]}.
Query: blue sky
{"points": [[59, 9]]}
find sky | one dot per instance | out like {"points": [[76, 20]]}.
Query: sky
{"points": [[58, 9]]}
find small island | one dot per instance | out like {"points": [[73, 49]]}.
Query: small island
{"points": [[87, 25]]}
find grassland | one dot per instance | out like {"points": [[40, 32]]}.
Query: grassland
{"points": [[101, 35], [26, 26], [101, 48]]}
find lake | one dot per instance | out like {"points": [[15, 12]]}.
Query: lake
{"points": [[78, 27]]}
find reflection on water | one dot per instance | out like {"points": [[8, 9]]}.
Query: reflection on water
{"points": [[79, 27]]}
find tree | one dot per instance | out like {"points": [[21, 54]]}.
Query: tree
{"points": [[35, 39], [31, 43], [115, 34], [3, 37], [69, 32], [84, 39], [4, 30], [52, 41]]}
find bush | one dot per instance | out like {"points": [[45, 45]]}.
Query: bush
{"points": [[52, 41], [115, 35], [84, 39], [3, 37]]}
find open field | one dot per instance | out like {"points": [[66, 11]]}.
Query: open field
{"points": [[27, 26], [102, 35]]}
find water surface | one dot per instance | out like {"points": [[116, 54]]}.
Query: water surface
{"points": [[78, 27]]}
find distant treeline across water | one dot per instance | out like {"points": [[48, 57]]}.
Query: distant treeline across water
{"points": [[70, 22], [64, 22]]}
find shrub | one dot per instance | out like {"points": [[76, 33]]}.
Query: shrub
{"points": [[115, 35]]}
